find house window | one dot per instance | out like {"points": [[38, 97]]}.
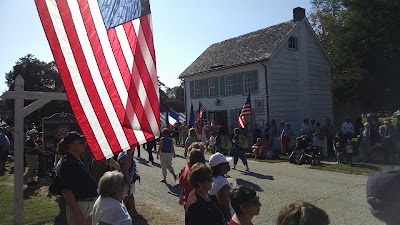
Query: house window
{"points": [[211, 87], [228, 85], [292, 43], [248, 82], [197, 91]]}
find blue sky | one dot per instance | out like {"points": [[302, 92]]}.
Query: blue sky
{"points": [[182, 29]]}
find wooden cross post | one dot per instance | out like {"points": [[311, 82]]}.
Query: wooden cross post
{"points": [[20, 112]]}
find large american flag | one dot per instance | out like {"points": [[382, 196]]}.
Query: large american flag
{"points": [[105, 54], [202, 109], [246, 111]]}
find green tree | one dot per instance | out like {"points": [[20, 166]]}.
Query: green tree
{"points": [[328, 17], [374, 34], [41, 77], [38, 75], [171, 98], [361, 37]]}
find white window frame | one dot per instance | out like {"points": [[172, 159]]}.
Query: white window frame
{"points": [[293, 43], [248, 82], [211, 87], [228, 84], [196, 89]]}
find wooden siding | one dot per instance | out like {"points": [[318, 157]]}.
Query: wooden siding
{"points": [[299, 81], [320, 80], [283, 79]]}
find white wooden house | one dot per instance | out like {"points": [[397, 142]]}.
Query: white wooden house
{"points": [[284, 67]]}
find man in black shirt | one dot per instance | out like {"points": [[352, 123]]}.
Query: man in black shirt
{"points": [[79, 188]]}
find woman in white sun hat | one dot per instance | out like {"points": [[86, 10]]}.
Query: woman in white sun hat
{"points": [[221, 186]]}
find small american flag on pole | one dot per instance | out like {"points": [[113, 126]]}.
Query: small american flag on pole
{"points": [[246, 111], [105, 54], [202, 109]]}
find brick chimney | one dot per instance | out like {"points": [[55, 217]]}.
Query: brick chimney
{"points": [[298, 14]]}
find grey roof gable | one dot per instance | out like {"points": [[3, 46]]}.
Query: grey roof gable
{"points": [[248, 48]]}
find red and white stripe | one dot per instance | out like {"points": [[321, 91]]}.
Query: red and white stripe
{"points": [[109, 75], [246, 111]]}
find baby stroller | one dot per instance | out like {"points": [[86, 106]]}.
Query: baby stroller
{"points": [[312, 155], [297, 154], [302, 144]]}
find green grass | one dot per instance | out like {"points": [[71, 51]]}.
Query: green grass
{"points": [[38, 208], [357, 168]]}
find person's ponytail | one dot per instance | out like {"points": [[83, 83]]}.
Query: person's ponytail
{"points": [[61, 147]]}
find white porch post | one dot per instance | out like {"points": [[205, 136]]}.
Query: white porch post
{"points": [[19, 153]]}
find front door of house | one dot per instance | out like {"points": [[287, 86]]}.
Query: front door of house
{"points": [[221, 118]]}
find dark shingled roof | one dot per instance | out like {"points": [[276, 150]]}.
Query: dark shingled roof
{"points": [[248, 48]]}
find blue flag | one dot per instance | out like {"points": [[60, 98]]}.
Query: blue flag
{"points": [[173, 118], [166, 120], [191, 117]]}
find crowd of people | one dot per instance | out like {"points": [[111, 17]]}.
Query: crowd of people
{"points": [[311, 143], [102, 192]]}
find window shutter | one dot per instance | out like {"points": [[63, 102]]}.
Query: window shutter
{"points": [[205, 88], [216, 86], [255, 81], [233, 118], [238, 83], [235, 83], [222, 86], [191, 90]]}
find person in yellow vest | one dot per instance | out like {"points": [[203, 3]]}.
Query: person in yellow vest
{"points": [[240, 145]]}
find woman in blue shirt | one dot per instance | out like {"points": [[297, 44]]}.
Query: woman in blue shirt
{"points": [[166, 152]]}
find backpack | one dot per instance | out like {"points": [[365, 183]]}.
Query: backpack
{"points": [[133, 169]]}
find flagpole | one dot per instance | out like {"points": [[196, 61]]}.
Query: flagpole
{"points": [[252, 119]]}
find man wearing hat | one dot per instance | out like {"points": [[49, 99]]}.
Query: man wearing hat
{"points": [[383, 196], [79, 188], [31, 156], [388, 139]]}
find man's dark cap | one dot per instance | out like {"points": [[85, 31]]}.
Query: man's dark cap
{"points": [[72, 136], [385, 186]]}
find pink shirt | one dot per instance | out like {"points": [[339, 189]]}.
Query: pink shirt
{"points": [[184, 184]]}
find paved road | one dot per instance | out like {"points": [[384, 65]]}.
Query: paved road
{"points": [[342, 196]]}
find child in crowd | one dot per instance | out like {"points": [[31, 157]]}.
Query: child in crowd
{"points": [[259, 149], [349, 153], [211, 141]]}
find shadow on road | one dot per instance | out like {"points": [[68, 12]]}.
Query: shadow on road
{"points": [[173, 190], [258, 175], [146, 163], [249, 184]]}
